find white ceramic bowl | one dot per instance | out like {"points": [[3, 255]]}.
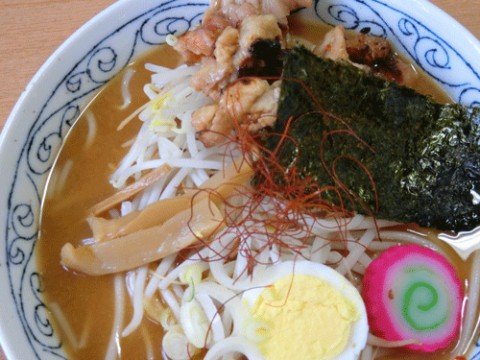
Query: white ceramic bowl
{"points": [[98, 51]]}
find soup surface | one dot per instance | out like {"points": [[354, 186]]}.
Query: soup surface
{"points": [[80, 179]]}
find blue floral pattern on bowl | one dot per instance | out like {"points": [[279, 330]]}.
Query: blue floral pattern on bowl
{"points": [[112, 52]]}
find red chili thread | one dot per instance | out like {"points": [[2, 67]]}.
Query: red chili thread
{"points": [[294, 199]]}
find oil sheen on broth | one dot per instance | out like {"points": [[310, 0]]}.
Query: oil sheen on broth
{"points": [[80, 179]]}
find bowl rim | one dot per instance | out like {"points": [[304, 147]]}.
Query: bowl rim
{"points": [[8, 316]]}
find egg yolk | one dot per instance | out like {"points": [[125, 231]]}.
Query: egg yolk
{"points": [[305, 318]]}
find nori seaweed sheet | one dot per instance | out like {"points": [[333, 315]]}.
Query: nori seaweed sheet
{"points": [[424, 157]]}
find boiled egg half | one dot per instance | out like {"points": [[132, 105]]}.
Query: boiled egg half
{"points": [[306, 310]]}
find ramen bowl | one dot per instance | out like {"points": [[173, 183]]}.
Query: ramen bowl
{"points": [[97, 52]]}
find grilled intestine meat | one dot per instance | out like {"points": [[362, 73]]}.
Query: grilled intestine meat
{"points": [[237, 10], [370, 53], [243, 39], [377, 53], [248, 102], [240, 46], [217, 71], [247, 51], [200, 42], [334, 45]]}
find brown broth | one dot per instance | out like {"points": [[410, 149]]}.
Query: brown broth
{"points": [[87, 302]]}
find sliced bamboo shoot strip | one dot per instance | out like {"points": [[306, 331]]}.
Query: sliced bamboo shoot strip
{"points": [[222, 185], [153, 215], [144, 246], [131, 190], [236, 168]]}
